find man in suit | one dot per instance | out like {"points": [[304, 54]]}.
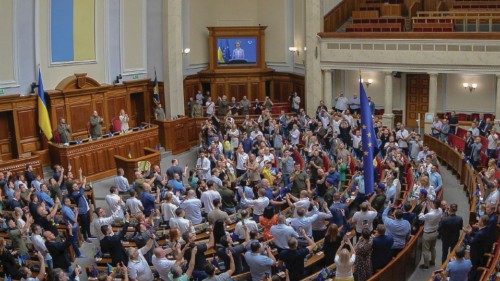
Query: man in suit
{"points": [[96, 125], [479, 242], [381, 255], [159, 113], [475, 153], [64, 130], [449, 230], [453, 122], [112, 244], [445, 130], [59, 250]]}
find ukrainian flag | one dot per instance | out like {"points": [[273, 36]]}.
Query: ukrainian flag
{"points": [[220, 56], [72, 30], [43, 114]]}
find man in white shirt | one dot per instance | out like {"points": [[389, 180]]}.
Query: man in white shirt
{"points": [[474, 130], [258, 205], [192, 207], [210, 107], [39, 243], [115, 202], [364, 218], [138, 267], [341, 102], [402, 136], [245, 221], [100, 221], [241, 160], [180, 222], [297, 203], [431, 224], [208, 196], [164, 265], [134, 205], [493, 197], [203, 166], [168, 208]]}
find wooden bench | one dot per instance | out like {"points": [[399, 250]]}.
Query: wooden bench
{"points": [[433, 27], [378, 27], [399, 20], [371, 14]]}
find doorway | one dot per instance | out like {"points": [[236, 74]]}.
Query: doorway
{"points": [[137, 108], [8, 148], [417, 99]]}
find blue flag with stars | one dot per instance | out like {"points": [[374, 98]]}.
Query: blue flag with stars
{"points": [[368, 141]]}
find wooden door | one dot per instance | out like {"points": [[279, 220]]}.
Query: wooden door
{"points": [[137, 115], [8, 149], [417, 98]]}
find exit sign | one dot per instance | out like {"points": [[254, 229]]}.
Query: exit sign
{"points": [[2, 91], [135, 76]]}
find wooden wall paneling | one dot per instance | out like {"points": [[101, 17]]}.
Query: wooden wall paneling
{"points": [[79, 116], [255, 89]]}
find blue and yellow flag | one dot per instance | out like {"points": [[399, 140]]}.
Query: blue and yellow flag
{"points": [[43, 113], [220, 56], [368, 141], [156, 91]]}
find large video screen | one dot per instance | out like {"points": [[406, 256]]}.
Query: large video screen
{"points": [[236, 50]]}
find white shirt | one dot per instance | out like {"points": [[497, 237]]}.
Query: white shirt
{"points": [[163, 266], [241, 160], [492, 142], [301, 203], [294, 136], [364, 219], [181, 223], [250, 224], [356, 140], [296, 102], [98, 222], [210, 107], [304, 223], [167, 211], [192, 207], [431, 220], [492, 198], [258, 204], [134, 205], [341, 103], [400, 135], [204, 165], [115, 204], [139, 269], [207, 198], [344, 270], [39, 245]]}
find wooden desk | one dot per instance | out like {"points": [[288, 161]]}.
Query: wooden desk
{"points": [[96, 158], [19, 165], [179, 135], [130, 164]]}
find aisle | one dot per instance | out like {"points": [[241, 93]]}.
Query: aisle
{"points": [[453, 193]]}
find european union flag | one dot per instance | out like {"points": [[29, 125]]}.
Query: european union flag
{"points": [[227, 52], [368, 141]]}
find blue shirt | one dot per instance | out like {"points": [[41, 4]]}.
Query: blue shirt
{"points": [[458, 270], [360, 183], [436, 181], [81, 201], [42, 196], [176, 186], [397, 229], [259, 265], [68, 215], [122, 184], [148, 202], [338, 217], [380, 256], [281, 234], [247, 145]]}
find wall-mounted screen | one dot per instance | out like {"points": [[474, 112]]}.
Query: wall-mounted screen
{"points": [[236, 50]]}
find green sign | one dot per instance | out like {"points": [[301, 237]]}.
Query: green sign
{"points": [[2, 91], [135, 76]]}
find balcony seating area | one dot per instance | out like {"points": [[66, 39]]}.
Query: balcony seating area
{"points": [[377, 16]]}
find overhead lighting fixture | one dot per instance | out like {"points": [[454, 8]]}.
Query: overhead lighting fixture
{"points": [[294, 50], [367, 82], [186, 51]]}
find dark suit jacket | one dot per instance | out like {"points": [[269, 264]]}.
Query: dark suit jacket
{"points": [[449, 229], [113, 246], [59, 252], [479, 245], [381, 254]]}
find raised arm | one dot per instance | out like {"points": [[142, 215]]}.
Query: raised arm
{"points": [[190, 269]]}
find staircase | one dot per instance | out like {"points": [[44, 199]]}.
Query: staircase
{"points": [[407, 26], [343, 27]]}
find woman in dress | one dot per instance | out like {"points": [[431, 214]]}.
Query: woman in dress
{"points": [[267, 220], [363, 262], [331, 243]]}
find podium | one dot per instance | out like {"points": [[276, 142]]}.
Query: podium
{"points": [[180, 134], [129, 165]]}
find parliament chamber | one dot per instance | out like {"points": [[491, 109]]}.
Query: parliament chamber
{"points": [[250, 140]]}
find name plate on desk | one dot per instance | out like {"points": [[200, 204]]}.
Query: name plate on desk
{"points": [[96, 157]]}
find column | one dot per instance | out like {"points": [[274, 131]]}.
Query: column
{"points": [[313, 77], [172, 57], [432, 101], [433, 84], [497, 104], [388, 117], [327, 88]]}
